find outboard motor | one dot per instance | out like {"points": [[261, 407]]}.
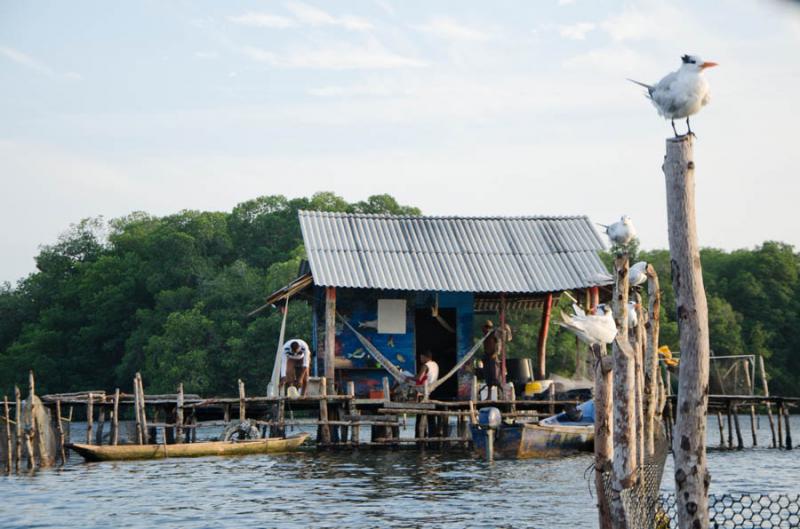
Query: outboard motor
{"points": [[489, 419]]}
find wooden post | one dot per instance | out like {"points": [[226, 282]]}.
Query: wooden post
{"points": [[638, 365], [551, 395], [541, 343], [31, 436], [788, 428], [324, 428], [137, 416], [89, 418], [60, 428], [730, 426], [179, 415], [101, 423], [603, 440], [355, 430], [625, 456], [749, 381], [739, 441], [474, 396], [9, 454], [651, 374], [503, 368], [768, 404], [242, 401], [143, 409], [689, 438], [330, 336], [780, 424], [115, 420], [18, 420], [226, 413], [721, 430]]}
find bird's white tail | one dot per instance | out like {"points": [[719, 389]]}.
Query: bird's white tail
{"points": [[645, 85]]}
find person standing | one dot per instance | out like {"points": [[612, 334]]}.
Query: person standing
{"points": [[428, 371], [491, 358], [295, 362]]}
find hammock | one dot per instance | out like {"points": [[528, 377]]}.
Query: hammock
{"points": [[401, 376], [274, 383]]}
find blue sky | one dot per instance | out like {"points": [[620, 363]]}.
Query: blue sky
{"points": [[467, 107]]}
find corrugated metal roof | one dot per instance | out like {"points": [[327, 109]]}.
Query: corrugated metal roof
{"points": [[460, 254]]}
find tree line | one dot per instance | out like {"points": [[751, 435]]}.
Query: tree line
{"points": [[169, 296]]}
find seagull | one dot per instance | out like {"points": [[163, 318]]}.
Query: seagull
{"points": [[681, 93], [633, 316], [591, 329], [638, 274], [621, 232]]}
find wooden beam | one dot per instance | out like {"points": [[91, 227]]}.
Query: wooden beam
{"points": [[689, 436], [541, 345], [503, 369], [603, 440], [330, 337]]}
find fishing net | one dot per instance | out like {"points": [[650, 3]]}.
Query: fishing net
{"points": [[642, 502], [741, 511], [731, 375]]}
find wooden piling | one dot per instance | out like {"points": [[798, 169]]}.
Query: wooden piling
{"points": [[739, 441], [115, 420], [89, 418], [242, 401], [780, 424], [652, 377], [18, 420], [60, 428], [142, 409], [689, 438], [101, 422], [9, 453], [324, 429], [603, 439], [721, 430], [330, 337], [788, 428], [749, 382], [179, 415], [730, 426], [765, 387], [355, 430]]}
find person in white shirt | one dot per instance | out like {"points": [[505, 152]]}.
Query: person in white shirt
{"points": [[295, 361], [429, 370]]}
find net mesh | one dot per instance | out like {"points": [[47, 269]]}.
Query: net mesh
{"points": [[731, 375], [740, 511]]}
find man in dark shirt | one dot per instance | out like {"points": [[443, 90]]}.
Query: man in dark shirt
{"points": [[491, 358]]}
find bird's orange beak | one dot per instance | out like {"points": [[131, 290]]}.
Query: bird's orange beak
{"points": [[708, 65]]}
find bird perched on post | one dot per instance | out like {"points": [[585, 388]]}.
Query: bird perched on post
{"points": [[621, 232], [591, 329], [681, 93], [638, 274]]}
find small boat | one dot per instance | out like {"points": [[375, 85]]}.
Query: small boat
{"points": [[561, 434], [212, 448]]}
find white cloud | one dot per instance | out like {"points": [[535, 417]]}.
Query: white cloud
{"points": [[576, 31], [450, 29], [33, 64], [372, 56], [263, 20], [208, 55], [313, 16], [565, 2], [611, 59]]}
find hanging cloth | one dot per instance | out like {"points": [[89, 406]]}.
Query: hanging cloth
{"points": [[274, 384]]}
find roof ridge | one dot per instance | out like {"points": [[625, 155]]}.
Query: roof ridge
{"points": [[340, 214]]}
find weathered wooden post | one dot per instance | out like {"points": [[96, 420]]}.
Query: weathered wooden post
{"points": [[18, 432], [89, 418], [179, 415], [765, 386], [689, 437], [61, 450], [541, 342], [7, 417], [625, 456], [638, 355], [330, 337], [604, 417], [750, 387], [651, 374], [788, 428], [721, 430], [324, 427], [242, 401], [352, 410], [115, 419], [101, 421]]}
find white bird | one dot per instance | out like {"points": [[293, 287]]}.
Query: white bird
{"points": [[633, 316], [621, 232], [681, 93], [638, 274], [591, 328]]}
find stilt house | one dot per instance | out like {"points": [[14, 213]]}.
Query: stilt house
{"points": [[410, 284]]}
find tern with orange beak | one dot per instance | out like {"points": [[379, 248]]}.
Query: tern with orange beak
{"points": [[681, 93]]}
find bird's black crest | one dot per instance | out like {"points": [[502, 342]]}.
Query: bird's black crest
{"points": [[686, 59]]}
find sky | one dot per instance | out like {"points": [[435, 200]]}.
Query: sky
{"points": [[457, 107]]}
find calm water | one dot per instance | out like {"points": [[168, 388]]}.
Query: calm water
{"points": [[348, 490]]}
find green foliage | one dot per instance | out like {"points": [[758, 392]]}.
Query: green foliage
{"points": [[169, 296]]}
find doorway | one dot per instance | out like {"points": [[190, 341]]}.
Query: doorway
{"points": [[433, 335]]}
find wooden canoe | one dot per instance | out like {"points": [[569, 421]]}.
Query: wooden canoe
{"points": [[212, 448], [520, 441]]}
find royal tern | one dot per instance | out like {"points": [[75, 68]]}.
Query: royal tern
{"points": [[591, 328], [638, 274], [681, 93], [621, 232]]}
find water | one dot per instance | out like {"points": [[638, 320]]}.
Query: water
{"points": [[367, 489]]}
